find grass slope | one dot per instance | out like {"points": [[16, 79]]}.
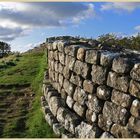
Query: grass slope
{"points": [[27, 119]]}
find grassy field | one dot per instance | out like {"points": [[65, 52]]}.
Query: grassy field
{"points": [[21, 80]]}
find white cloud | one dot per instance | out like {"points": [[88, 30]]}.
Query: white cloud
{"points": [[21, 17], [137, 28], [121, 6]]}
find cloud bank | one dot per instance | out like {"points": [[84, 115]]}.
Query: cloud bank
{"points": [[18, 18]]}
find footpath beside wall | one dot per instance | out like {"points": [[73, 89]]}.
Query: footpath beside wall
{"points": [[92, 93]]}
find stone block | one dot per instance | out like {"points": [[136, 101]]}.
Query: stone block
{"points": [[60, 68], [135, 108], [134, 88], [103, 92], [75, 79], [79, 109], [66, 72], [94, 103], [55, 55], [71, 50], [63, 94], [56, 65], [107, 135], [60, 79], [115, 113], [61, 112], [121, 65], [70, 102], [68, 87], [104, 123], [52, 65], [55, 103], [121, 98], [91, 116], [81, 68], [70, 61], [56, 129], [122, 132], [89, 87], [134, 124], [118, 82], [85, 130], [50, 55], [54, 45], [135, 72], [56, 77], [81, 53], [99, 74], [92, 56], [61, 58], [80, 96], [61, 45], [71, 121], [49, 47], [107, 57]]}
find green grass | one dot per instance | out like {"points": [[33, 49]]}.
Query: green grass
{"points": [[29, 69]]}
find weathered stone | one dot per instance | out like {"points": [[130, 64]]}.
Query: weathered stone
{"points": [[106, 135], [121, 65], [134, 124], [91, 116], [115, 113], [107, 58], [79, 109], [121, 98], [50, 55], [134, 88], [66, 135], [62, 58], [63, 94], [94, 104], [103, 92], [55, 85], [52, 65], [135, 72], [60, 68], [75, 79], [88, 86], [81, 68], [55, 55], [49, 47], [80, 96], [56, 129], [56, 77], [71, 121], [55, 45], [104, 123], [50, 94], [118, 82], [85, 130], [56, 65], [122, 132], [92, 56], [61, 45], [60, 79], [135, 108], [66, 72], [71, 50], [55, 103], [70, 102], [99, 74], [61, 112], [70, 61], [68, 87], [81, 53], [50, 119]]}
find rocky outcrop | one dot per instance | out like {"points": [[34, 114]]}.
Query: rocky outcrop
{"points": [[93, 93]]}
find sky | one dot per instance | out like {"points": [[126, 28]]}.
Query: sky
{"points": [[24, 25]]}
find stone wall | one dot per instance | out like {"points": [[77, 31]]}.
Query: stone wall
{"points": [[93, 93]]}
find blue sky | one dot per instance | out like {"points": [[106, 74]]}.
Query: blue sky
{"points": [[24, 25]]}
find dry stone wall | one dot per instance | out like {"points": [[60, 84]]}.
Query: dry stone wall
{"points": [[92, 93]]}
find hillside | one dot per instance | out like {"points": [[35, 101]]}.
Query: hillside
{"points": [[21, 79]]}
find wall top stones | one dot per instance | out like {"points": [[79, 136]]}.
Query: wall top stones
{"points": [[100, 86]]}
